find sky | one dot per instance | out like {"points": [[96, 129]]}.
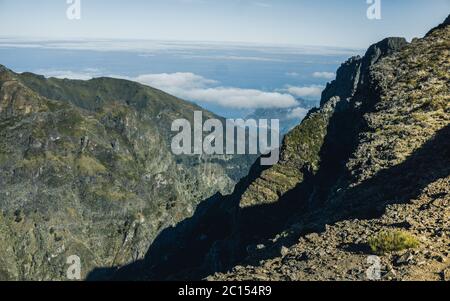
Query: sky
{"points": [[295, 22], [229, 56]]}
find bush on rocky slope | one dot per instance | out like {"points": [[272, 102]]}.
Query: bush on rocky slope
{"points": [[392, 241]]}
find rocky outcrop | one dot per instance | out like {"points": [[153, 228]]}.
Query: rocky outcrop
{"points": [[86, 169]]}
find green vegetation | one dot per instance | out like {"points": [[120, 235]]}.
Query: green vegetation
{"points": [[89, 166], [392, 241]]}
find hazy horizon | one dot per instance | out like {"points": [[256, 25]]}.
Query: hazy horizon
{"points": [[327, 23]]}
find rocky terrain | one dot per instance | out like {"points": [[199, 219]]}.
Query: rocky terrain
{"points": [[86, 170], [367, 171]]}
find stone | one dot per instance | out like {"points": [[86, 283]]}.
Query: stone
{"points": [[405, 259], [284, 251], [445, 275]]}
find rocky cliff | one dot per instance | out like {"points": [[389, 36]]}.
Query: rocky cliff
{"points": [[86, 170], [367, 173]]}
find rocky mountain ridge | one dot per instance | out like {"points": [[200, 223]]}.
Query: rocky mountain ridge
{"points": [[393, 179], [373, 159]]}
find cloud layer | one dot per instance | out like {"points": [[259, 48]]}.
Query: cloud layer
{"points": [[324, 75], [297, 113], [310, 92], [197, 88]]}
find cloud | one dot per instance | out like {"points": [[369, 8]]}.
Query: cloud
{"points": [[171, 81], [195, 88], [199, 89], [324, 75], [84, 74], [149, 47], [242, 98], [305, 92], [297, 113]]}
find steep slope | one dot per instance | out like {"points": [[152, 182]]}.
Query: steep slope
{"points": [[384, 165], [374, 156], [86, 169]]}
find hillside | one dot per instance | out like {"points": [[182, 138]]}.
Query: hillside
{"points": [[86, 169], [372, 162]]}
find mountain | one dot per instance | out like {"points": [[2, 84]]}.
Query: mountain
{"points": [[86, 169], [366, 173]]}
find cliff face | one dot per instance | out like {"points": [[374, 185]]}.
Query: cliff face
{"points": [[373, 157], [86, 169]]}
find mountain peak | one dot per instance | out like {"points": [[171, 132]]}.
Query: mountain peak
{"points": [[384, 47], [3, 69], [442, 25], [351, 76]]}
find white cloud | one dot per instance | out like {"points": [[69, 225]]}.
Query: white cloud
{"points": [[171, 81], [297, 113], [197, 88], [305, 92], [84, 74], [324, 75], [149, 47], [242, 98]]}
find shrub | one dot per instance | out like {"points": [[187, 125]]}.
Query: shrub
{"points": [[392, 241]]}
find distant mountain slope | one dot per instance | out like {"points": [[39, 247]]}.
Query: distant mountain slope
{"points": [[373, 157], [86, 169]]}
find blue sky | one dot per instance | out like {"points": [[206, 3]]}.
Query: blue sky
{"points": [[305, 22]]}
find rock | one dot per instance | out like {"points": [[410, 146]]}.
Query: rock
{"points": [[445, 275], [440, 258], [260, 246], [313, 237], [405, 259], [284, 251]]}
